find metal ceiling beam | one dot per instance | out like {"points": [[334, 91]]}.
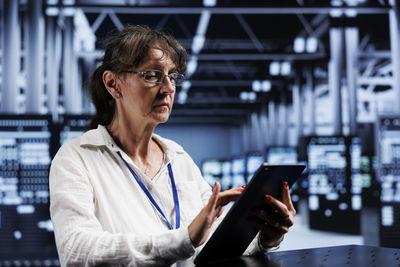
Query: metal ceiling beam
{"points": [[234, 70], [262, 57], [99, 20], [183, 27], [306, 24], [117, 22], [161, 24], [250, 32], [229, 83], [385, 81], [235, 57], [229, 10], [375, 54]]}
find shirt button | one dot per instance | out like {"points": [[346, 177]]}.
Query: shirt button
{"points": [[150, 187]]}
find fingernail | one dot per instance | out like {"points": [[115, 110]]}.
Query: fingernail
{"points": [[268, 197], [286, 185], [241, 189], [243, 186]]}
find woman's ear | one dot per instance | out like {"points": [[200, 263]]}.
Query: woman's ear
{"points": [[110, 82]]}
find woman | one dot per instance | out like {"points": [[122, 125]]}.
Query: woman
{"points": [[121, 194]]}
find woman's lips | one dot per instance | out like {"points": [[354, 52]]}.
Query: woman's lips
{"points": [[162, 105]]}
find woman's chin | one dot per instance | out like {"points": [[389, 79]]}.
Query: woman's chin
{"points": [[161, 118]]}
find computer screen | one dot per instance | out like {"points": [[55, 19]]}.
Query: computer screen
{"points": [[213, 167], [26, 149], [357, 176], [335, 183], [327, 166], [72, 126], [238, 165], [253, 162], [238, 171], [282, 155], [388, 172], [226, 179], [388, 148], [218, 170], [211, 170]]}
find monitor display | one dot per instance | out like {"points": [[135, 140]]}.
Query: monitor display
{"points": [[388, 148], [72, 126], [253, 162], [26, 148], [282, 155], [238, 165], [213, 167], [212, 171], [334, 183], [327, 166], [226, 180], [238, 180], [238, 171], [357, 176], [388, 173], [226, 167]]}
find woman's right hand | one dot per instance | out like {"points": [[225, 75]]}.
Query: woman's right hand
{"points": [[200, 228]]}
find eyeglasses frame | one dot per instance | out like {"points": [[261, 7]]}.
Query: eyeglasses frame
{"points": [[143, 73]]}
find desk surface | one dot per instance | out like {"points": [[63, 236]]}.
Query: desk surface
{"points": [[340, 256], [351, 256]]}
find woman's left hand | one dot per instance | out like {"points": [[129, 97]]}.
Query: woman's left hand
{"points": [[276, 222]]}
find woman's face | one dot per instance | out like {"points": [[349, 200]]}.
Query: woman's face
{"points": [[145, 101]]}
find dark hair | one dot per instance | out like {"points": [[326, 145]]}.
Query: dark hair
{"points": [[125, 50]]}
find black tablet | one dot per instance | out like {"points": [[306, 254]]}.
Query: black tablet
{"points": [[234, 234]]}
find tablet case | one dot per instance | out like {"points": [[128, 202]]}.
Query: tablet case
{"points": [[234, 233]]}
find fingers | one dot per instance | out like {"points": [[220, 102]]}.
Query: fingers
{"points": [[229, 195], [282, 212], [273, 219], [284, 207], [199, 229], [221, 210], [286, 199], [271, 234], [279, 208], [212, 202], [267, 228]]}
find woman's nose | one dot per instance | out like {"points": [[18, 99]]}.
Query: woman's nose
{"points": [[168, 85]]}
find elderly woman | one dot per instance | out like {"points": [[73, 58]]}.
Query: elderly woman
{"points": [[122, 195]]}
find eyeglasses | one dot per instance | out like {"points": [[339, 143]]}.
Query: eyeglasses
{"points": [[157, 76]]}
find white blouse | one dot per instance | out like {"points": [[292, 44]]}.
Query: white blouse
{"points": [[102, 216]]}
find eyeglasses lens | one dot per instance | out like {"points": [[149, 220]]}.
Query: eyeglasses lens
{"points": [[155, 76]]}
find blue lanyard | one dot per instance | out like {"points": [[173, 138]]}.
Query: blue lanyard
{"points": [[146, 191]]}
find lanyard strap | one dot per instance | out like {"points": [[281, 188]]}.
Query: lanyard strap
{"points": [[150, 197]]}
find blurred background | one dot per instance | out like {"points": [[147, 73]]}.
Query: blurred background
{"points": [[289, 81]]}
